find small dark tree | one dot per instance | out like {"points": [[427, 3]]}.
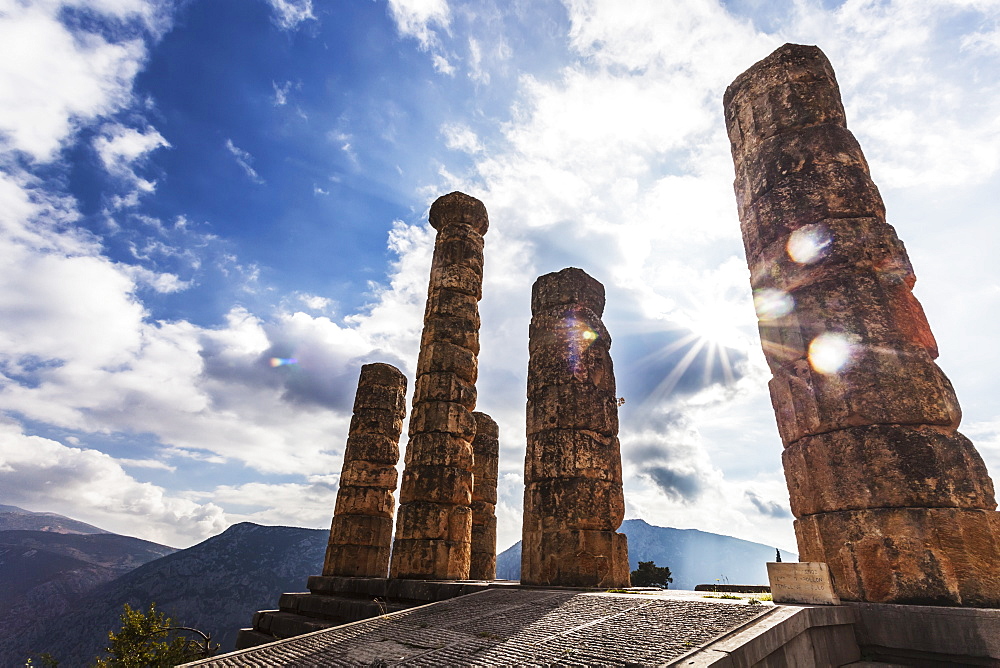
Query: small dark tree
{"points": [[142, 642], [650, 575]]}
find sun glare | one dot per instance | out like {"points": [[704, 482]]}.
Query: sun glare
{"points": [[830, 352]]}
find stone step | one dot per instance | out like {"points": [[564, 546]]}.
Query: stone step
{"points": [[342, 608], [288, 624]]}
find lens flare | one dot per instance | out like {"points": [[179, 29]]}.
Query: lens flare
{"points": [[830, 352], [283, 361], [772, 304], [809, 243]]}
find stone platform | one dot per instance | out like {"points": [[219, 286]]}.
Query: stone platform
{"points": [[334, 601]]}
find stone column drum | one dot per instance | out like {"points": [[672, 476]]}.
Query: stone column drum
{"points": [[884, 489], [486, 450], [573, 500], [434, 528], [361, 533]]}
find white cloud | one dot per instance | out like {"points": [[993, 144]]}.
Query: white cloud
{"points": [[91, 486], [460, 137], [121, 151], [244, 160], [415, 18], [290, 13], [52, 79]]}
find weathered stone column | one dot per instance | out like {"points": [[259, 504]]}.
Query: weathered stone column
{"points": [[573, 500], [361, 534], [434, 528], [884, 489], [486, 448]]}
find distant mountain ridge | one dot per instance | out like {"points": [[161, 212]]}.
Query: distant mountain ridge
{"points": [[694, 557], [214, 586], [14, 518]]}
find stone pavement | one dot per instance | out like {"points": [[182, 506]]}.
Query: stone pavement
{"points": [[523, 627]]}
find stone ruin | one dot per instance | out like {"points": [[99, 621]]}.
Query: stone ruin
{"points": [[361, 533], [485, 467], [573, 498], [434, 530], [883, 487]]}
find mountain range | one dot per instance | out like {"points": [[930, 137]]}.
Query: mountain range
{"points": [[64, 583], [694, 557]]}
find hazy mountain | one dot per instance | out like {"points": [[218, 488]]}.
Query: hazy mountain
{"points": [[214, 586], [44, 572], [14, 518], [694, 557]]}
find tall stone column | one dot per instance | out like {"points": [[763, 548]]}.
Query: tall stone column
{"points": [[361, 533], [573, 500], [884, 489], [486, 451], [434, 528]]}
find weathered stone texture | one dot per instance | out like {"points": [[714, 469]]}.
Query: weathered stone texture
{"points": [[886, 491], [434, 528], [361, 531], [573, 499], [484, 498]]}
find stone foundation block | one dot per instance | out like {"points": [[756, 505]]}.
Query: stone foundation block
{"points": [[811, 152], [573, 503], [461, 247], [375, 448], [575, 559], [441, 357], [372, 421], [792, 88], [461, 332], [876, 386], [438, 449], [431, 559], [437, 484], [569, 286], [363, 473], [917, 556], [824, 250], [443, 417], [562, 453], [885, 466], [365, 501], [459, 278], [572, 407], [442, 302], [361, 530], [424, 520]]}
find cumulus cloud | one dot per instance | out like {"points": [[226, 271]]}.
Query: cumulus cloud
{"points": [[768, 507], [91, 486], [53, 78]]}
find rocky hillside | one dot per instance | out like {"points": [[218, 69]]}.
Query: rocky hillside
{"points": [[214, 586], [14, 518], [694, 557]]}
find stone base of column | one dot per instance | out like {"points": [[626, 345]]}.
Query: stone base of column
{"points": [[362, 561], [918, 556], [431, 559], [483, 565], [575, 558]]}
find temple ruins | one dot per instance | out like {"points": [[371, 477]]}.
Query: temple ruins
{"points": [[434, 528], [883, 487], [361, 533], [573, 499], [486, 463]]}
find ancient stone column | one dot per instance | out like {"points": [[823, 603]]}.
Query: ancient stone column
{"points": [[486, 451], [434, 528], [884, 489], [361, 534], [573, 500]]}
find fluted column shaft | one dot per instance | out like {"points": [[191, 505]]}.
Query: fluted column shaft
{"points": [[486, 449], [884, 488], [361, 532], [434, 528], [573, 499]]}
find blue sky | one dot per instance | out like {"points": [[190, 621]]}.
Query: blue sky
{"points": [[189, 189]]}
